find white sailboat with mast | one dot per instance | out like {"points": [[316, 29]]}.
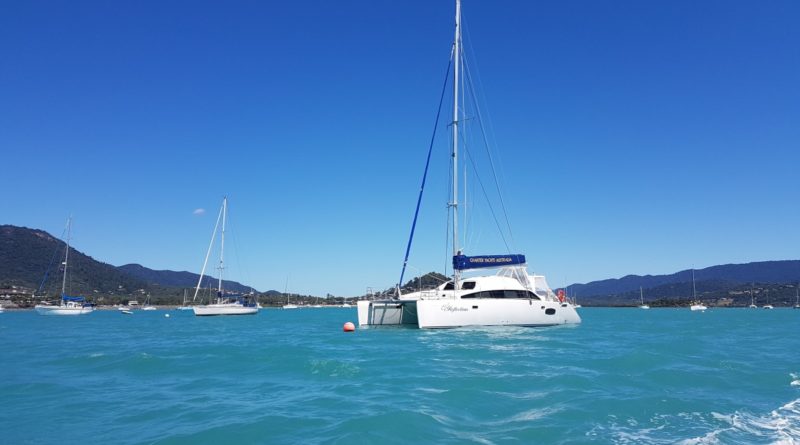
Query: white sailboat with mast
{"points": [[224, 305], [147, 306], [768, 305], [511, 297], [69, 305], [184, 306], [288, 305], [641, 297], [696, 305]]}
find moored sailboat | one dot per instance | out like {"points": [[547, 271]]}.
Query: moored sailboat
{"points": [[183, 306], [288, 304], [147, 306], [696, 306], [224, 304], [641, 297], [768, 305], [69, 304], [511, 297], [752, 299]]}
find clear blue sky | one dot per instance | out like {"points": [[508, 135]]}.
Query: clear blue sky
{"points": [[632, 137]]}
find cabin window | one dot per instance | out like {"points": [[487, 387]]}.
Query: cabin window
{"points": [[518, 294], [468, 285], [448, 286], [550, 311]]}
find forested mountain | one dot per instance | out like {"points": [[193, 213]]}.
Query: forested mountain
{"points": [[27, 256], [679, 284], [169, 278]]}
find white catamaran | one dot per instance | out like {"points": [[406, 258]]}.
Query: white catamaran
{"points": [[69, 305], [511, 297], [224, 305]]}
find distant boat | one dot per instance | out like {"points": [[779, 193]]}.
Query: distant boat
{"points": [[126, 311], [224, 305], [147, 306], [641, 297], [184, 307], [768, 306], [797, 297], [752, 299], [696, 306], [288, 305], [69, 305]]}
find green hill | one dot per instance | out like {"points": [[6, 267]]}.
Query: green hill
{"points": [[30, 258], [28, 255]]}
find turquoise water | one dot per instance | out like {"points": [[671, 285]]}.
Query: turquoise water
{"points": [[624, 376]]}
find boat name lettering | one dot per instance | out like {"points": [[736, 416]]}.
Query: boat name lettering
{"points": [[489, 260], [450, 308]]}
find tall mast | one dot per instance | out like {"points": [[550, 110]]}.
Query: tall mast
{"points": [[694, 291], [208, 255], [66, 257], [454, 204], [222, 243]]}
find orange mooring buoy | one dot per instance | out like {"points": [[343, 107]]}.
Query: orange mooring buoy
{"points": [[349, 327]]}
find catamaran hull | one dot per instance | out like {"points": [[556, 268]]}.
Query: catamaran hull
{"points": [[387, 313], [224, 310], [453, 313], [59, 310]]}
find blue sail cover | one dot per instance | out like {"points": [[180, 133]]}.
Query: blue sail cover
{"points": [[66, 297], [463, 262]]}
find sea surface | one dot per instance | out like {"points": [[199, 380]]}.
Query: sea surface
{"points": [[624, 376]]}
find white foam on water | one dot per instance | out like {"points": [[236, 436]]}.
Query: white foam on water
{"points": [[626, 435], [96, 354], [795, 379], [780, 426], [708, 438], [432, 390], [533, 414]]}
